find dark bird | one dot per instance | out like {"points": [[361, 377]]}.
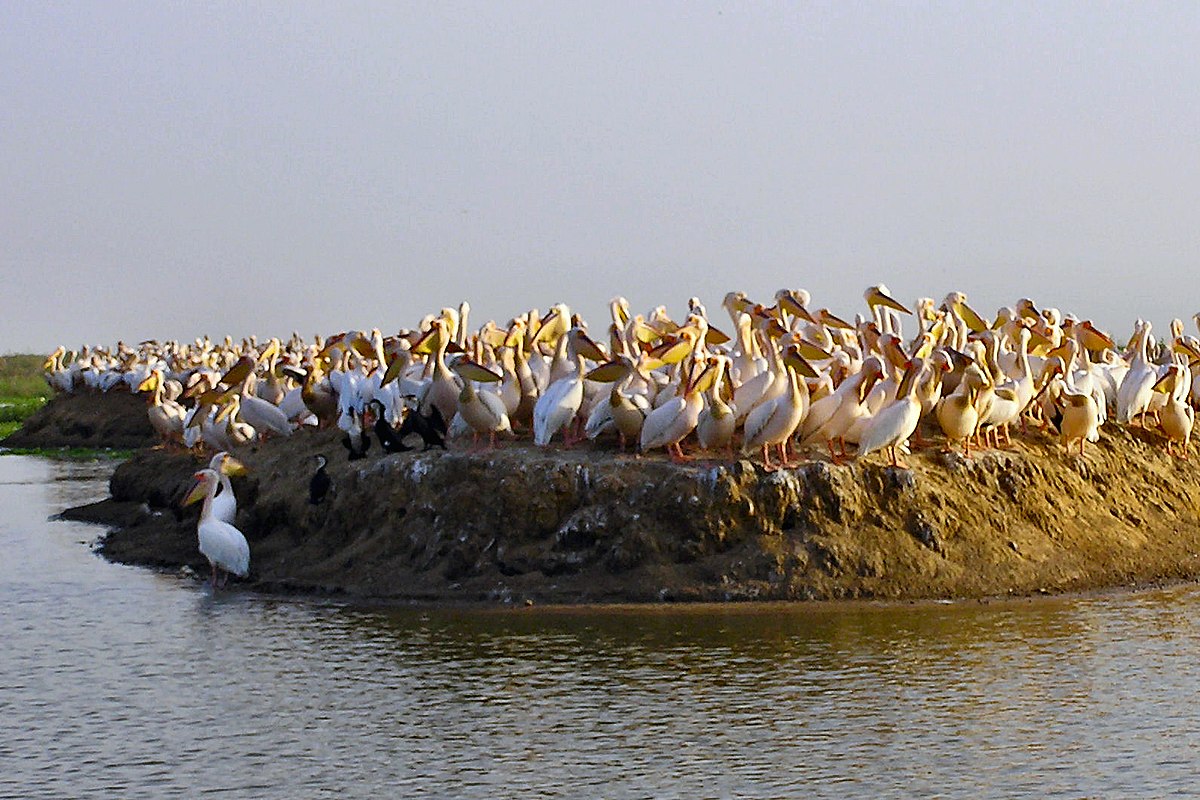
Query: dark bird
{"points": [[320, 484], [431, 427], [357, 441], [388, 438]]}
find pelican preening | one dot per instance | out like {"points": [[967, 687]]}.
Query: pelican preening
{"points": [[792, 380]]}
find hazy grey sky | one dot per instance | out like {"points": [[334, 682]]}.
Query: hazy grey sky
{"points": [[169, 170]]}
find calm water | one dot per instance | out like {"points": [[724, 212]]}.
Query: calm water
{"points": [[117, 681]]}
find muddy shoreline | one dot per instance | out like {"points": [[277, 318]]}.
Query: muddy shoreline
{"points": [[521, 524]]}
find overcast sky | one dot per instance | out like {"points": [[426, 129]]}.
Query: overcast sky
{"points": [[170, 170]]}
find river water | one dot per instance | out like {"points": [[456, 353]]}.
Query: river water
{"points": [[123, 682]]}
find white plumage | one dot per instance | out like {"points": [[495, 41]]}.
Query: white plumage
{"points": [[224, 502], [895, 422], [264, 416], [222, 544], [556, 408]]}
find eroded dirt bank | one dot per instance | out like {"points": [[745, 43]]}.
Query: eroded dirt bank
{"points": [[583, 526], [114, 419]]}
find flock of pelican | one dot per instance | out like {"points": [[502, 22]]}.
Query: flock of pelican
{"points": [[789, 380]]}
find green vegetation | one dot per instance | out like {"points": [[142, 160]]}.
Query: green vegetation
{"points": [[22, 376], [23, 390], [71, 453]]}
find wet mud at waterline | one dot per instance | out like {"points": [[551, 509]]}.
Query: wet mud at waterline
{"points": [[583, 526]]}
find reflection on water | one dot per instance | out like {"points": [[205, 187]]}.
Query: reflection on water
{"points": [[119, 681]]}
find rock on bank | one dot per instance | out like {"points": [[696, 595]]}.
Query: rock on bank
{"points": [[585, 526]]}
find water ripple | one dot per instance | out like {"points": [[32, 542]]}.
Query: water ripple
{"points": [[123, 682]]}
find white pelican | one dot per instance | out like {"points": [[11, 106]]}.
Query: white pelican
{"points": [[227, 430], [667, 425], [1005, 409], [264, 416], [509, 389], [746, 361], [483, 411], [1080, 417], [773, 422], [272, 389], [443, 387], [1133, 396], [880, 301], [957, 416], [842, 409], [318, 396], [1176, 417], [625, 410], [560, 403], [718, 420], [60, 377], [894, 423], [224, 502], [222, 544], [764, 386], [166, 416], [1079, 421]]}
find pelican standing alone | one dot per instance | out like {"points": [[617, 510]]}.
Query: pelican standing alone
{"points": [[222, 544]]}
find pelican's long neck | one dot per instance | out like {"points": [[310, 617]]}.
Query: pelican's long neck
{"points": [[1085, 358], [578, 359], [1143, 347], [206, 510], [571, 352], [795, 382], [1068, 379], [439, 358], [718, 383], [1023, 356], [226, 486], [621, 386]]}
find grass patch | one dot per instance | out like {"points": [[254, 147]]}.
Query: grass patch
{"points": [[23, 390], [21, 376], [16, 409], [70, 453]]}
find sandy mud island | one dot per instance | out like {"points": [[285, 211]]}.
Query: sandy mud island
{"points": [[579, 525]]}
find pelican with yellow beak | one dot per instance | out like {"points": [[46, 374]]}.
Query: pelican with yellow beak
{"points": [[773, 422], [1176, 417], [223, 545], [668, 425], [880, 301], [224, 502], [557, 407], [166, 416], [483, 411], [891, 427]]}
